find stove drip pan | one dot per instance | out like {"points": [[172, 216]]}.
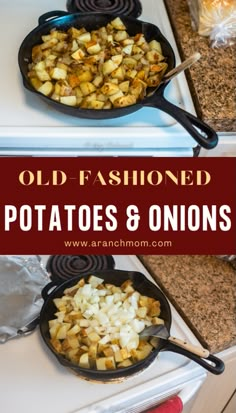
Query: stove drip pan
{"points": [[126, 7], [64, 267]]}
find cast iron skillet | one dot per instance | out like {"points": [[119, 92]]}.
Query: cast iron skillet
{"points": [[145, 287], [200, 131]]}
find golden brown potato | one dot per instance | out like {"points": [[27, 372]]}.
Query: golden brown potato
{"points": [[97, 69]]}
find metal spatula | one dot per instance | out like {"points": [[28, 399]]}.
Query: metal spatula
{"points": [[161, 331], [178, 69]]}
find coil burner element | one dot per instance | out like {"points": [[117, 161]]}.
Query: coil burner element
{"points": [[125, 7], [64, 267]]}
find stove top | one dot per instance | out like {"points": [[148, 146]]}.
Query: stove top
{"points": [[64, 267], [126, 7], [28, 126], [28, 366]]}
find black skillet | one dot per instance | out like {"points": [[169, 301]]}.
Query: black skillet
{"points": [[145, 287], [203, 134]]}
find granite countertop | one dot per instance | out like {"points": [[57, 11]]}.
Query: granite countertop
{"points": [[212, 80], [203, 290]]}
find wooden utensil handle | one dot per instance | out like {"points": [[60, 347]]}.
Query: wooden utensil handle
{"points": [[198, 350]]}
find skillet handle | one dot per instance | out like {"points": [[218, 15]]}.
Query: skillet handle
{"points": [[203, 134], [47, 289], [50, 15], [217, 366], [198, 350]]}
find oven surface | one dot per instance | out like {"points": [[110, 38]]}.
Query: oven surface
{"points": [[32, 377], [29, 126]]}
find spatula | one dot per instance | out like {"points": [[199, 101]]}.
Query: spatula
{"points": [[161, 331], [178, 69]]}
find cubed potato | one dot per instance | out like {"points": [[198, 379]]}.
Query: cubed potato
{"points": [[95, 281], [109, 89], [62, 331], [153, 56], [53, 330], [118, 73], [128, 49], [93, 48], [68, 100], [84, 361], [84, 38], [154, 44], [120, 35], [43, 75], [46, 88], [124, 86], [58, 73], [78, 55], [35, 82], [125, 363], [87, 88], [86, 76], [108, 67], [117, 59], [116, 96], [49, 44], [118, 24]]}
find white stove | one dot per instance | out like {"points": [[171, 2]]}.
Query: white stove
{"points": [[29, 127], [32, 379]]}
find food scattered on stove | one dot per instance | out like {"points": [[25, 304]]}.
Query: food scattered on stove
{"points": [[97, 324], [102, 69]]}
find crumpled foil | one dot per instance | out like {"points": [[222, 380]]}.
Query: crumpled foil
{"points": [[21, 282]]}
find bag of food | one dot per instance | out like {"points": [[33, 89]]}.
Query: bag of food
{"points": [[215, 19]]}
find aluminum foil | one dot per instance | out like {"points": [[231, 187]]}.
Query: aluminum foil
{"points": [[21, 282]]}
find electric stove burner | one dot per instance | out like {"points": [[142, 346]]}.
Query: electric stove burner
{"points": [[64, 267], [126, 7]]}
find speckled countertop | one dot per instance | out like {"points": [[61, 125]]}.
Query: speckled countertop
{"points": [[203, 290], [212, 80]]}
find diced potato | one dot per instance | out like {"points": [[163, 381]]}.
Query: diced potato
{"points": [[154, 44], [84, 38], [121, 35], [84, 361], [46, 88], [116, 96], [153, 56], [43, 75], [73, 330], [117, 59], [58, 73], [125, 363], [35, 82], [118, 73], [78, 55], [128, 49], [87, 88], [98, 81], [95, 281], [109, 89], [124, 86], [86, 76], [118, 24], [75, 67], [68, 100], [62, 331], [94, 48], [108, 67], [49, 44]]}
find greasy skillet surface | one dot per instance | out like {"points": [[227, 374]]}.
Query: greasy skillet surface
{"points": [[90, 21], [116, 277]]}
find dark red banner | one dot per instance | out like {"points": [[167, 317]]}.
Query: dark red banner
{"points": [[118, 205]]}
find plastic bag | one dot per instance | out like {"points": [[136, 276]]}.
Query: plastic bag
{"points": [[215, 19]]}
